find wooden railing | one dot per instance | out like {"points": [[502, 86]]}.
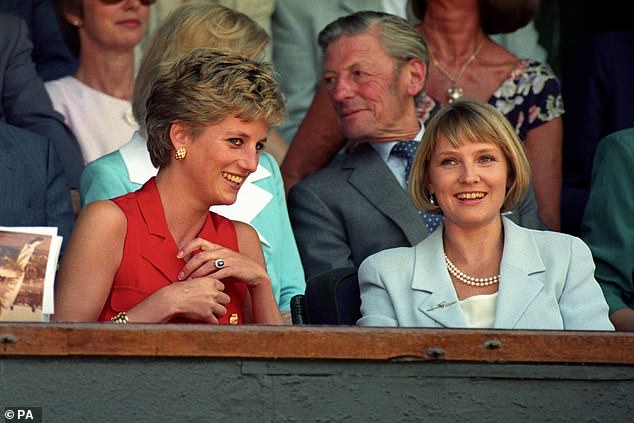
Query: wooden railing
{"points": [[315, 342]]}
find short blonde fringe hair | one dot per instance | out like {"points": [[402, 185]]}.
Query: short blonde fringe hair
{"points": [[203, 88], [195, 25], [470, 121]]}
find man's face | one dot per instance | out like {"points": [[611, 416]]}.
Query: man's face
{"points": [[366, 87]]}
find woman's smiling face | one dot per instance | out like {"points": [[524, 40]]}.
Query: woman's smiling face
{"points": [[469, 181], [220, 157]]}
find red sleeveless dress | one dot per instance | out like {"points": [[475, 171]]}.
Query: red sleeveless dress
{"points": [[149, 258]]}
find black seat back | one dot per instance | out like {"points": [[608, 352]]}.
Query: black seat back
{"points": [[331, 298]]}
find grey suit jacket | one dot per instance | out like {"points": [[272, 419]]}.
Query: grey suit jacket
{"points": [[33, 188], [546, 282], [24, 101], [346, 212]]}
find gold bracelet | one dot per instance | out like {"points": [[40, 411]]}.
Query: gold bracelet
{"points": [[121, 318]]}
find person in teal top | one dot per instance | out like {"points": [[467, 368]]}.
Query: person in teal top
{"points": [[261, 200], [608, 224]]}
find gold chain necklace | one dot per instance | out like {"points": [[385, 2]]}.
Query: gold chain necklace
{"points": [[470, 280], [454, 92]]}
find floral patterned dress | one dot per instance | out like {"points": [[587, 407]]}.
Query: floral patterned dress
{"points": [[529, 97]]}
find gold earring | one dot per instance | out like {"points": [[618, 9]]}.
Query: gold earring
{"points": [[181, 153]]}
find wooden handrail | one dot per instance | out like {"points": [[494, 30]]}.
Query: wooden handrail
{"points": [[315, 342]]}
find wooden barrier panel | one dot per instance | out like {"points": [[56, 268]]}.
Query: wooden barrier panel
{"points": [[163, 373], [315, 342]]}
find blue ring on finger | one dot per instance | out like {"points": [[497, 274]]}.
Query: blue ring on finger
{"points": [[219, 263]]}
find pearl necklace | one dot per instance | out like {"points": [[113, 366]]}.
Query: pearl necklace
{"points": [[454, 92], [470, 280]]}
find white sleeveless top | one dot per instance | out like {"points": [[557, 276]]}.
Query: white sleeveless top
{"points": [[101, 123]]}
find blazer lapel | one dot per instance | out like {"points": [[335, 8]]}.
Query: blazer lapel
{"points": [[520, 274], [432, 284], [137, 160], [251, 199], [162, 250], [372, 178]]}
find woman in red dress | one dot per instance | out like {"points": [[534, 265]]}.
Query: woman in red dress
{"points": [[159, 254]]}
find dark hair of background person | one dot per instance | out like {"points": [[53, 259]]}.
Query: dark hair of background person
{"points": [[497, 16]]}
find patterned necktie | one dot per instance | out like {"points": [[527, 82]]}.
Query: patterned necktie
{"points": [[406, 150]]}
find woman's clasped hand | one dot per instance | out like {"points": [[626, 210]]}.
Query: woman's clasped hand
{"points": [[204, 258]]}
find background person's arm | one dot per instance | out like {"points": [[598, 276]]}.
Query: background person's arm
{"points": [[543, 147], [317, 141]]}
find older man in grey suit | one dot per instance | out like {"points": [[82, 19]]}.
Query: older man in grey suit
{"points": [[375, 66]]}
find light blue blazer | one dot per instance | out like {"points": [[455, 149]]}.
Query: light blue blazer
{"points": [[547, 282]]}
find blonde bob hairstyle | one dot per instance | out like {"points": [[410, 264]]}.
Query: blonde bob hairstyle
{"points": [[195, 25], [470, 121], [202, 89]]}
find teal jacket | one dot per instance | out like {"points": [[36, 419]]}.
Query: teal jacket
{"points": [[608, 221], [261, 203]]}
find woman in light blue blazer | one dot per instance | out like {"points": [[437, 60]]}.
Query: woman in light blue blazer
{"points": [[261, 201], [479, 270]]}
